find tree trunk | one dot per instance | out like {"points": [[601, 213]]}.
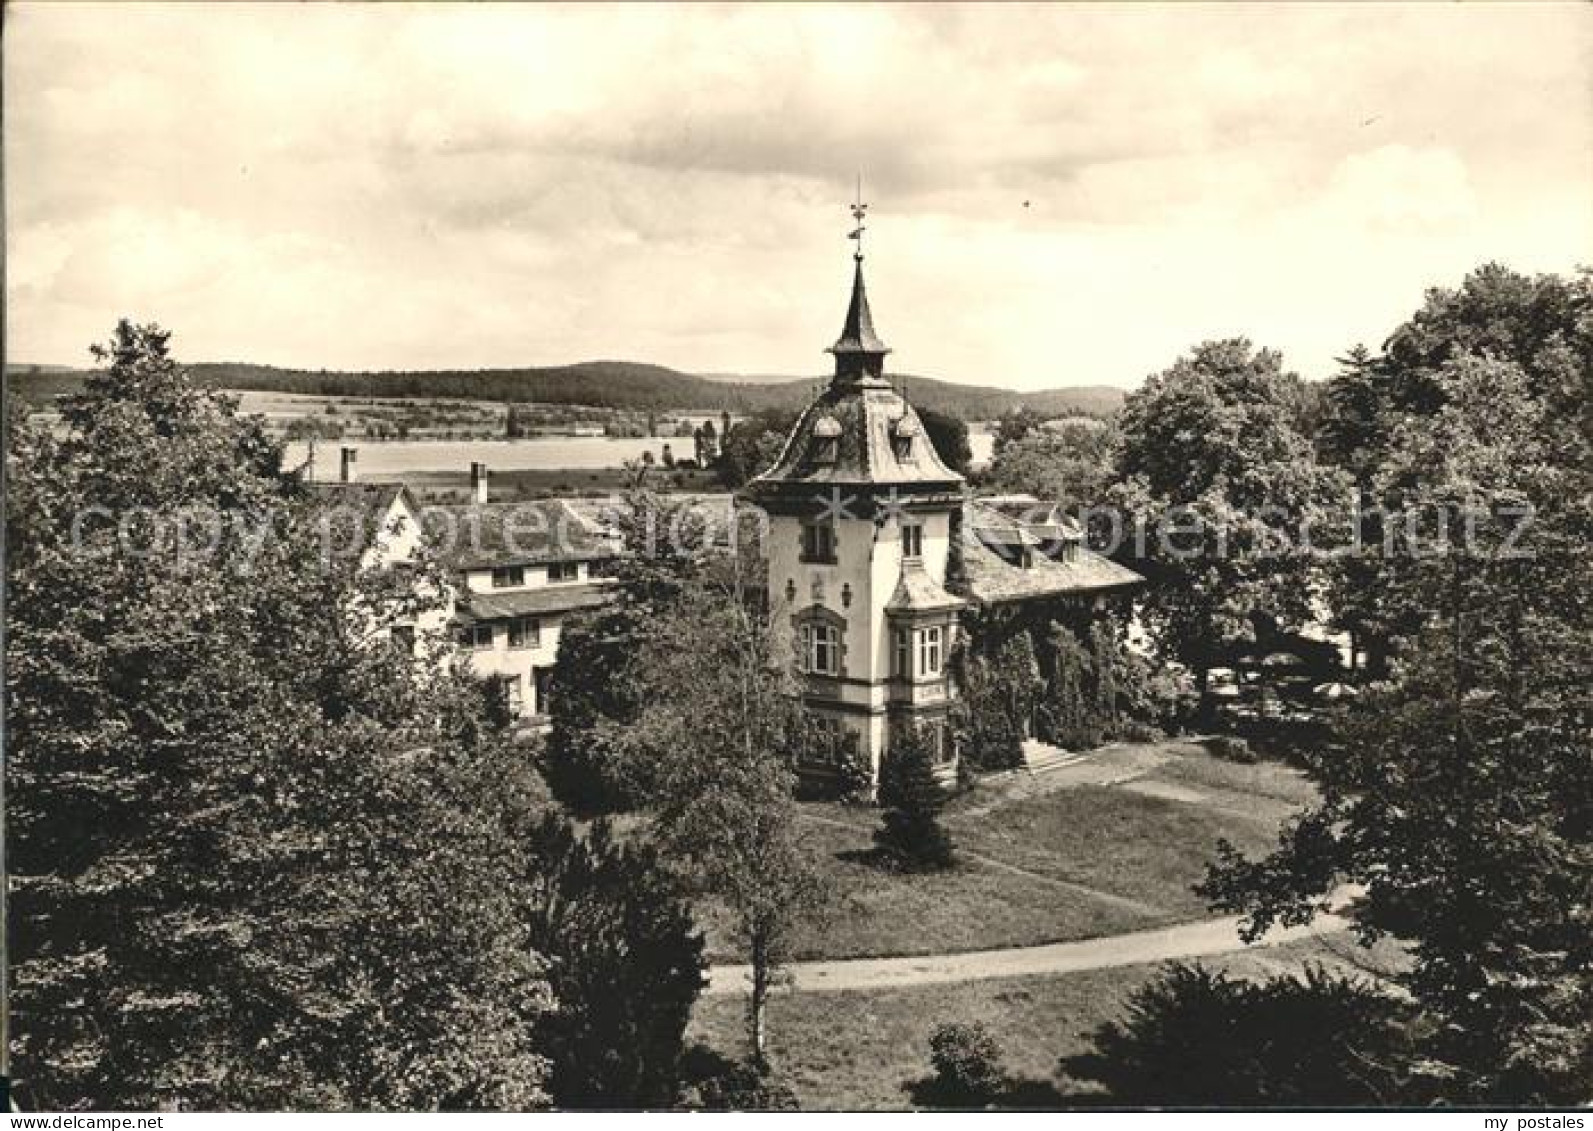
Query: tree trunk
{"points": [[1203, 686], [757, 1008]]}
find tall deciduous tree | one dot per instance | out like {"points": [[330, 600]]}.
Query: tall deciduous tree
{"points": [[750, 446], [723, 727], [1542, 325], [949, 435], [1463, 795], [256, 861], [1224, 490]]}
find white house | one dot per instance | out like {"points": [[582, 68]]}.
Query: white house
{"points": [[521, 569], [516, 571]]}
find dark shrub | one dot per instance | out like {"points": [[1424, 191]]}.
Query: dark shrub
{"points": [[967, 1062], [624, 963], [855, 772], [1195, 1037], [742, 1087], [1231, 749]]}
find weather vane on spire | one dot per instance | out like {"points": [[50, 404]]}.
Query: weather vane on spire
{"points": [[859, 211]]}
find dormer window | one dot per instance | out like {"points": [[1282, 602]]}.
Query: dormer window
{"points": [[903, 432], [826, 440]]}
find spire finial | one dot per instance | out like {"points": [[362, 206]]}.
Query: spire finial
{"points": [[859, 211]]}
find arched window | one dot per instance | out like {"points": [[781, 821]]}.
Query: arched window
{"points": [[820, 641]]}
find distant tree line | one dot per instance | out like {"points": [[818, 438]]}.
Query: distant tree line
{"points": [[605, 384]]}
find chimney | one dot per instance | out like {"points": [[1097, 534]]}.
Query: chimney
{"points": [[478, 483], [351, 470]]}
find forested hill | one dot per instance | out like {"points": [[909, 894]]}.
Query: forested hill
{"points": [[609, 384]]}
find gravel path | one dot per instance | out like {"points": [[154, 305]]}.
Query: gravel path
{"points": [[1201, 939]]}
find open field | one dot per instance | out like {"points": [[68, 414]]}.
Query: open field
{"points": [[865, 1049]]}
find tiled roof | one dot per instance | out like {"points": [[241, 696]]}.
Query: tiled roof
{"points": [[917, 592], [715, 511], [993, 579], [357, 512], [865, 414], [480, 535], [533, 602]]}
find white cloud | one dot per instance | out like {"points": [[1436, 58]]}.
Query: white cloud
{"points": [[1061, 193], [1397, 187]]}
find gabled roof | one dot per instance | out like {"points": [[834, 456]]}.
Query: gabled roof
{"points": [[356, 513], [361, 494]]}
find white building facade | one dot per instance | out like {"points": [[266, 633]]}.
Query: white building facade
{"points": [[861, 510]]}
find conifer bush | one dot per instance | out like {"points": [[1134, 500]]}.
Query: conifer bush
{"points": [[910, 831]]}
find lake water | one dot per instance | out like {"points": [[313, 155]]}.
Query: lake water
{"points": [[390, 457], [393, 457]]}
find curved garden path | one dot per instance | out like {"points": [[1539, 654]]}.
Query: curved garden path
{"points": [[1201, 939], [1121, 765]]}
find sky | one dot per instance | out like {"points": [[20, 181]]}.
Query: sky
{"points": [[1060, 195]]}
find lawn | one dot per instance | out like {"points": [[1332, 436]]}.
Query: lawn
{"points": [[864, 1050], [1146, 848], [874, 912], [1078, 863]]}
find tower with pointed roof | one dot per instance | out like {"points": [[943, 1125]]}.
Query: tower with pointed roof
{"points": [[860, 510]]}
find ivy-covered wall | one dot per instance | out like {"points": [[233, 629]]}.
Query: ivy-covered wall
{"points": [[1059, 671]]}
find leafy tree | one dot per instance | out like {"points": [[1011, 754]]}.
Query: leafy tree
{"points": [[1542, 326], [949, 435], [1194, 1037], [751, 446], [910, 831], [1461, 795], [624, 962], [1221, 486], [706, 441], [1013, 426], [721, 725], [600, 682], [260, 859], [1070, 464]]}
